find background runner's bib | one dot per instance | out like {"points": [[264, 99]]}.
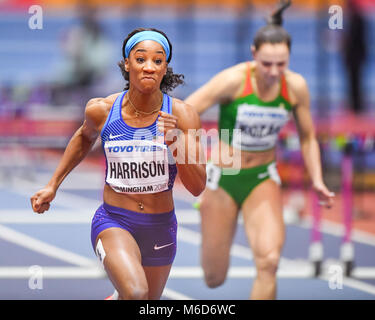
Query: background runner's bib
{"points": [[137, 166], [259, 127], [259, 121]]}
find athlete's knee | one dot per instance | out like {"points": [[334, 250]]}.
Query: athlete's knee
{"points": [[214, 279], [132, 289], [133, 292], [214, 274], [267, 264], [215, 267]]}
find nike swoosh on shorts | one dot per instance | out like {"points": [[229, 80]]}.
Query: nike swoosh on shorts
{"points": [[156, 247], [263, 175]]}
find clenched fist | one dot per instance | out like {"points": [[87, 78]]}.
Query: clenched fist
{"points": [[41, 200]]}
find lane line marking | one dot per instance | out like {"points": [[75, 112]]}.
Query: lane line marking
{"points": [[174, 295], [36, 245], [193, 272]]}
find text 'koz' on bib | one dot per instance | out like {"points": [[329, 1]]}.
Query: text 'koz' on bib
{"points": [[137, 166], [259, 127]]}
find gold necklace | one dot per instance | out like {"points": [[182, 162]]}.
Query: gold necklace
{"points": [[139, 112]]}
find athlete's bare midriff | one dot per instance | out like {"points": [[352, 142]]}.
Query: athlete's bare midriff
{"points": [[225, 156], [152, 203]]}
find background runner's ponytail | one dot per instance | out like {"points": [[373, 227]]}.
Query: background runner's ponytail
{"points": [[273, 32], [276, 17]]}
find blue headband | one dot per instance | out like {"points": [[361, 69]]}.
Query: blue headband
{"points": [[147, 35]]}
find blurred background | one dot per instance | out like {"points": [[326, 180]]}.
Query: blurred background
{"points": [[49, 70], [47, 75]]}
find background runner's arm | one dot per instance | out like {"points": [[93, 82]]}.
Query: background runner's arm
{"points": [[220, 88], [309, 144], [192, 171]]}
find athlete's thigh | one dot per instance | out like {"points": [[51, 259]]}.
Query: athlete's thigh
{"points": [[219, 215], [122, 259], [157, 277], [263, 218]]}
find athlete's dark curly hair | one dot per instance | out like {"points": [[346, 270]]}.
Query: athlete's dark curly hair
{"points": [[170, 80], [273, 32]]}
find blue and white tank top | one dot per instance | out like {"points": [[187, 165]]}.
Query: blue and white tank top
{"points": [[137, 160]]}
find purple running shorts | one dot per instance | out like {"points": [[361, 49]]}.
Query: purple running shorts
{"points": [[155, 234]]}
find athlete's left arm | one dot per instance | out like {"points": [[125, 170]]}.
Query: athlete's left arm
{"points": [[182, 135], [309, 144]]}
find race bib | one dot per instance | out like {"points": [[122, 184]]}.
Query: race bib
{"points": [[137, 166], [259, 127], [213, 174]]}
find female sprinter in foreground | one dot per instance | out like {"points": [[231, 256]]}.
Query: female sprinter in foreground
{"points": [[256, 98], [134, 230]]}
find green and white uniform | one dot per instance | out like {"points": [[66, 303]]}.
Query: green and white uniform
{"points": [[258, 124]]}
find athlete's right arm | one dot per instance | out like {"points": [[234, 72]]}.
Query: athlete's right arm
{"points": [[219, 89], [78, 147]]}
